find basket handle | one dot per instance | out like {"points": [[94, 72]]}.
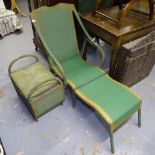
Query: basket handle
{"points": [[36, 87], [23, 56]]}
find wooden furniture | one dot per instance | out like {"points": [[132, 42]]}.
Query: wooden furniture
{"points": [[124, 12], [136, 25], [135, 60], [39, 89], [113, 102]]}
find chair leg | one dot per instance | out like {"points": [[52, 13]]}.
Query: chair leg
{"points": [[112, 141], [73, 99], [139, 118]]}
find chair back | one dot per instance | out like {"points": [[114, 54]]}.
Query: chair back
{"points": [[55, 26]]}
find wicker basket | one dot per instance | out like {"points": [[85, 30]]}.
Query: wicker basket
{"points": [[37, 86]]}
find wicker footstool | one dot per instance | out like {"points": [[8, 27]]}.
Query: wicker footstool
{"points": [[37, 86]]}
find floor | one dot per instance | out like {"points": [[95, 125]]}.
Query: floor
{"points": [[64, 130]]}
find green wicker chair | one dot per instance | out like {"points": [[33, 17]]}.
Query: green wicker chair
{"points": [[113, 102]]}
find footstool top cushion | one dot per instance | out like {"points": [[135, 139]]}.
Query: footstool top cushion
{"points": [[33, 75], [114, 103]]}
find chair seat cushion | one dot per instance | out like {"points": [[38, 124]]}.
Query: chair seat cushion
{"points": [[112, 100], [79, 72], [32, 75]]}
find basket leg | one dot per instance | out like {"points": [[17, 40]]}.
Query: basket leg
{"points": [[139, 117], [112, 141], [36, 48], [73, 99]]}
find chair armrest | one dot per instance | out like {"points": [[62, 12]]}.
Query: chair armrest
{"points": [[93, 42], [21, 57]]}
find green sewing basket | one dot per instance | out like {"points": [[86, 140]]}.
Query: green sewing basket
{"points": [[37, 87]]}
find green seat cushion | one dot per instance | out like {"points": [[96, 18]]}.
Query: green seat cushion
{"points": [[32, 75], [113, 101], [79, 73]]}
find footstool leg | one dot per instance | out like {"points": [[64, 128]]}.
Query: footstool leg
{"points": [[112, 141], [36, 48], [73, 99], [139, 117]]}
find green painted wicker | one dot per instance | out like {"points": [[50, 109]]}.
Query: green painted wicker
{"points": [[113, 102], [37, 86]]}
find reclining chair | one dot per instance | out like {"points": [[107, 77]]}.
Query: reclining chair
{"points": [[113, 102]]}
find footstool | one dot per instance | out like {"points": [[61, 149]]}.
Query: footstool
{"points": [[37, 87]]}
